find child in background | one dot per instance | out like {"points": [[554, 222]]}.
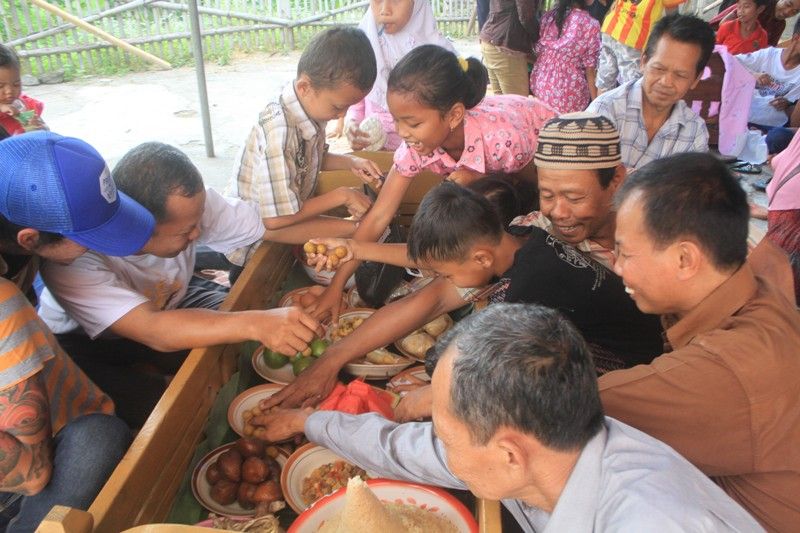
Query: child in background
{"points": [[437, 100], [18, 113], [394, 28], [744, 34], [566, 57], [278, 166]]}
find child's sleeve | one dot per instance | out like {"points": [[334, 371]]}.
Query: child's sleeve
{"points": [[261, 172], [33, 103], [723, 31], [407, 161]]}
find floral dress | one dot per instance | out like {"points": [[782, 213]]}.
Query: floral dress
{"points": [[559, 75]]}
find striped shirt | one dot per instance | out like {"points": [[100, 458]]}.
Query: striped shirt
{"points": [[28, 347], [683, 131], [278, 165], [630, 21]]}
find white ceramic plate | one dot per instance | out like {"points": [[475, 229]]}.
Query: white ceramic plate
{"points": [[202, 490], [299, 466], [280, 376], [431, 499], [411, 376], [351, 313], [246, 401], [368, 370], [399, 343]]}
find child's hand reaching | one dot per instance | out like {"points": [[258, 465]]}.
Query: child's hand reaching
{"points": [[763, 79], [356, 202], [367, 171], [341, 249]]}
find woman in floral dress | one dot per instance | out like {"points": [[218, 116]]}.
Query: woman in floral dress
{"points": [[566, 57]]}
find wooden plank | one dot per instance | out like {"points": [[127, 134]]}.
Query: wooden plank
{"points": [[144, 484], [489, 520]]}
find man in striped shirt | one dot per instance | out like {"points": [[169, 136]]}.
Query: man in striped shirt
{"points": [[59, 438]]}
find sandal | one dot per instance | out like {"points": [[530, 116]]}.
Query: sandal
{"points": [[747, 168]]}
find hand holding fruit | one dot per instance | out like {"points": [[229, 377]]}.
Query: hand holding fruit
{"points": [[285, 329], [328, 254]]}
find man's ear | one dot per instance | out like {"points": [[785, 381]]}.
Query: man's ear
{"points": [[28, 239], [455, 115], [483, 257], [690, 259]]}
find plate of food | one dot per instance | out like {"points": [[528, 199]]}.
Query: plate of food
{"points": [[411, 507], [411, 377], [232, 479], [417, 344], [282, 369], [379, 364], [349, 321], [312, 472], [354, 300], [245, 406], [305, 296]]}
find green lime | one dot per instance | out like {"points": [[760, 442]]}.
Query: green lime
{"points": [[274, 360], [301, 363], [318, 347]]}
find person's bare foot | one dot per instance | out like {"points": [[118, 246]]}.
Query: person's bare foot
{"points": [[758, 211]]}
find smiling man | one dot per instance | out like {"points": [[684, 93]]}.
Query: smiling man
{"points": [[725, 394], [516, 418], [652, 119]]}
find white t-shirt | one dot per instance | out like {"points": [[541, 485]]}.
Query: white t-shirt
{"points": [[786, 84], [97, 290]]}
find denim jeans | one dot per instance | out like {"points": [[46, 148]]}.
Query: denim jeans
{"points": [[86, 452]]}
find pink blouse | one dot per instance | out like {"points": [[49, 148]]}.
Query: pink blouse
{"points": [[500, 135]]}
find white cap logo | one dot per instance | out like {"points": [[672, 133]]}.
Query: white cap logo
{"points": [[107, 187]]}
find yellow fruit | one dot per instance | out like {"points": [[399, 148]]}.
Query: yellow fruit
{"points": [[321, 248], [340, 252], [334, 260], [309, 248]]}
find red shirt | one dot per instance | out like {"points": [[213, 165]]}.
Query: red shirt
{"points": [[11, 124], [730, 34], [773, 26]]}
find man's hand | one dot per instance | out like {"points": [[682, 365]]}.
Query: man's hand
{"points": [[763, 79], [367, 171], [780, 103], [282, 424], [287, 330], [309, 388], [414, 405], [323, 261]]}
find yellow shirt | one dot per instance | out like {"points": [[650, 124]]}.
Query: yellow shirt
{"points": [[630, 22]]}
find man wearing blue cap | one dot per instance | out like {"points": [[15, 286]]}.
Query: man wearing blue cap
{"points": [[59, 438]]}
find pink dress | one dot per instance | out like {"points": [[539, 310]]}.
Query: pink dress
{"points": [[559, 75], [500, 135]]}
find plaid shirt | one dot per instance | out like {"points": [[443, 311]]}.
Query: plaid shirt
{"points": [[683, 131], [279, 163]]}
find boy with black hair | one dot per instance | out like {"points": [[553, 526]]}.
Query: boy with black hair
{"points": [[18, 112], [285, 151]]}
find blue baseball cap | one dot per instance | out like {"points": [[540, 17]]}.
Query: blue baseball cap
{"points": [[62, 185]]}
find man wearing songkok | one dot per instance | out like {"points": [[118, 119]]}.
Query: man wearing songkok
{"points": [[726, 393], [517, 418]]}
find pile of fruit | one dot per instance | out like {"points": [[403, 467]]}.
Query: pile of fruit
{"points": [[247, 473], [334, 256], [299, 361]]}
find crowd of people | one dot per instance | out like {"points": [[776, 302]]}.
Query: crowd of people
{"points": [[634, 365]]}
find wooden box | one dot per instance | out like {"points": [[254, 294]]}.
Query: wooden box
{"points": [[142, 488]]}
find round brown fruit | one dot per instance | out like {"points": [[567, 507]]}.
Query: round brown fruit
{"points": [[213, 474], [340, 252], [250, 447], [269, 491], [245, 495], [334, 260], [310, 248], [230, 464], [224, 492], [254, 470], [321, 249]]}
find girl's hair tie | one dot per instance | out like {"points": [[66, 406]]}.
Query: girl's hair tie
{"points": [[464, 64]]}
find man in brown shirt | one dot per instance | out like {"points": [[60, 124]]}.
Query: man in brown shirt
{"points": [[726, 394]]}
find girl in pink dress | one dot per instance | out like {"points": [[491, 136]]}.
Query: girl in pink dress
{"points": [[566, 57], [447, 127]]}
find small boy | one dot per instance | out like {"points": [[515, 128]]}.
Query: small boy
{"points": [[744, 34], [285, 151], [18, 113], [624, 33]]}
